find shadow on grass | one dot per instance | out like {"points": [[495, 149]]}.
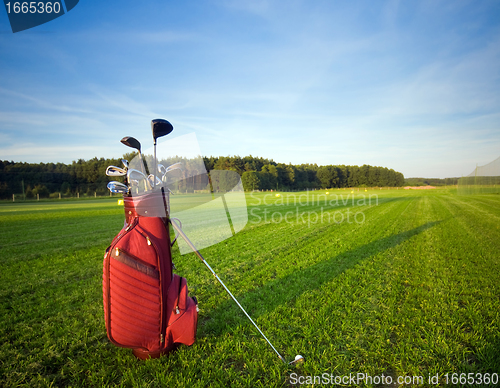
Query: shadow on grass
{"points": [[285, 290]]}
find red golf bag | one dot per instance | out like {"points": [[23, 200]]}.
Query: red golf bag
{"points": [[146, 306]]}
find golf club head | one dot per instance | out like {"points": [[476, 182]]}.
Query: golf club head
{"points": [[131, 142], [154, 180], [175, 166], [161, 169], [125, 164], [115, 171], [118, 187], [160, 127], [133, 174]]}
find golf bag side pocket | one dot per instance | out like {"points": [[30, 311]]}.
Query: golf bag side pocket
{"points": [[183, 309], [132, 295]]}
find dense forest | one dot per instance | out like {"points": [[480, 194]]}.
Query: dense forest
{"points": [[89, 178]]}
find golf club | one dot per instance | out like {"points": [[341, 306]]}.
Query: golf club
{"points": [[161, 169], [175, 166], [173, 221], [153, 180], [159, 127], [133, 174], [125, 163], [134, 143], [134, 184], [118, 187], [115, 171]]}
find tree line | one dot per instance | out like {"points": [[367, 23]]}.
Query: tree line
{"points": [[87, 177], [431, 181], [265, 174]]}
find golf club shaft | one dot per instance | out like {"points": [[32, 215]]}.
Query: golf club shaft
{"points": [[143, 168], [191, 245], [154, 168]]}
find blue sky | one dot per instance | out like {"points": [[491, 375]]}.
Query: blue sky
{"points": [[409, 85]]}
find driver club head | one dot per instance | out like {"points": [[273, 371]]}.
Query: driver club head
{"points": [[160, 127], [132, 142]]}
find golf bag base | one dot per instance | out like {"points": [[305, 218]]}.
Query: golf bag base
{"points": [[144, 355], [146, 306]]}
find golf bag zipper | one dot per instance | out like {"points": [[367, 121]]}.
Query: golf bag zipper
{"points": [[177, 311], [136, 263]]}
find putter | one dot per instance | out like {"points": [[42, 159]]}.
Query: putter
{"points": [[159, 127], [298, 357], [134, 143]]}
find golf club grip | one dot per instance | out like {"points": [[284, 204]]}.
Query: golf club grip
{"points": [[191, 245]]}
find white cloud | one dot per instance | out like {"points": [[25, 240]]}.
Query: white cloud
{"points": [[45, 102]]}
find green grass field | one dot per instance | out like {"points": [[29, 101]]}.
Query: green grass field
{"points": [[405, 286]]}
